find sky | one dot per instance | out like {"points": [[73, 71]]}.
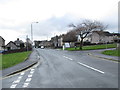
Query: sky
{"points": [[53, 16]]}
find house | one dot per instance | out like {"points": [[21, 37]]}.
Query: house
{"points": [[57, 41], [54, 41], [60, 40], [11, 46], [19, 43], [2, 44], [101, 37]]}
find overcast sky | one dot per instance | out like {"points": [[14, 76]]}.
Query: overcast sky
{"points": [[53, 16]]}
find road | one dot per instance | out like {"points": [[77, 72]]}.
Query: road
{"points": [[66, 69]]}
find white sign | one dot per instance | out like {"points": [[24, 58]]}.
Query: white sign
{"points": [[67, 45]]}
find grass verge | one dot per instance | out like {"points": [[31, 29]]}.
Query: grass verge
{"points": [[111, 52], [93, 47], [9, 60]]}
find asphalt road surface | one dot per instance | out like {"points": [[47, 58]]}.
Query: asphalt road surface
{"points": [[66, 69]]}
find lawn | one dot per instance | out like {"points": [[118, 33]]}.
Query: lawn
{"points": [[93, 47], [0, 61], [112, 52], [9, 60]]}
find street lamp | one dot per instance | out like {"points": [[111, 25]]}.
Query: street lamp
{"points": [[32, 31]]}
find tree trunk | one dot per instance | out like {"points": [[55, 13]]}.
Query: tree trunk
{"points": [[81, 44]]}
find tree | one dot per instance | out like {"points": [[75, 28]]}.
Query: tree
{"points": [[86, 27], [70, 36]]}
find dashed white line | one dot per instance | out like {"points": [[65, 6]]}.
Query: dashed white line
{"points": [[91, 68], [32, 72], [25, 85], [29, 76], [68, 58], [17, 81], [28, 80], [32, 69], [20, 77], [13, 86]]}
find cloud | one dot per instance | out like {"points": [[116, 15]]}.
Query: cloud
{"points": [[53, 26], [111, 19]]}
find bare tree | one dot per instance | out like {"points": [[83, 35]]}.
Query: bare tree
{"points": [[86, 27], [70, 36]]}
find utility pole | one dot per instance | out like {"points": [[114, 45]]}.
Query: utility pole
{"points": [[32, 32]]}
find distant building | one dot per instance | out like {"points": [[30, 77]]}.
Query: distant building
{"points": [[11, 46], [2, 44], [44, 43]]}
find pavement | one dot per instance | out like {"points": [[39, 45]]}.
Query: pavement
{"points": [[98, 54], [30, 61]]}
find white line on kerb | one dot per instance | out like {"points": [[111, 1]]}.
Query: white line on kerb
{"points": [[91, 68], [68, 58]]}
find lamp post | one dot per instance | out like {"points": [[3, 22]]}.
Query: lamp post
{"points": [[32, 31]]}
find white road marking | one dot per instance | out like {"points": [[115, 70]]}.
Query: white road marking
{"points": [[29, 76], [20, 77], [32, 69], [68, 58], [13, 86], [25, 85], [91, 68], [17, 81], [22, 73], [28, 80], [32, 72]]}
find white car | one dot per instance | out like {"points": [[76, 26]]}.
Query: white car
{"points": [[42, 47]]}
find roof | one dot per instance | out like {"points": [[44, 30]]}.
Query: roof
{"points": [[2, 38], [11, 42], [104, 33]]}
